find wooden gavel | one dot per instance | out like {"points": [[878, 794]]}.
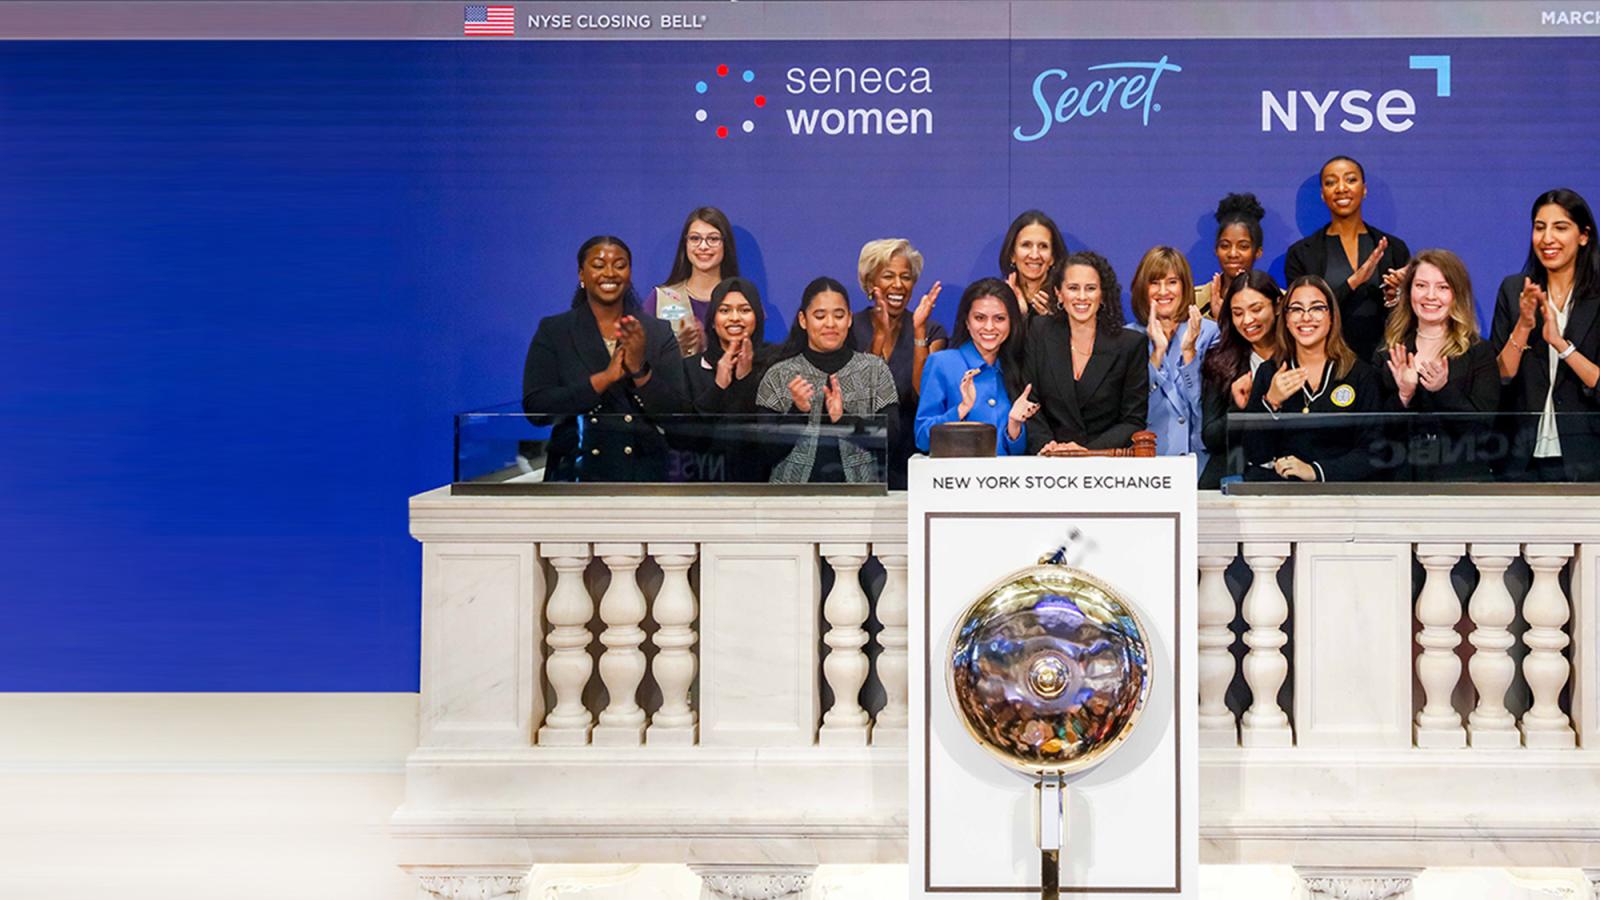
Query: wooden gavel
{"points": [[1144, 445]]}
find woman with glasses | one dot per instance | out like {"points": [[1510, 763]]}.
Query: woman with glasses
{"points": [[706, 255], [1435, 362], [1547, 337], [1360, 263], [1317, 373], [889, 270]]}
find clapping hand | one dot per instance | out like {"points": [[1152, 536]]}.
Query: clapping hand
{"points": [[833, 398], [1391, 286], [1191, 335], [631, 341], [1529, 303], [735, 362], [969, 394], [1160, 339], [1284, 384], [1551, 332], [691, 337], [1039, 302], [1216, 296], [801, 392], [1369, 265], [1433, 373], [1403, 366], [919, 316]]}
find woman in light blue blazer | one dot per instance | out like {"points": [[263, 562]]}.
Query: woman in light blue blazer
{"points": [[1179, 336]]}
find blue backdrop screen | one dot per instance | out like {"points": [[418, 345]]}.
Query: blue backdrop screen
{"points": [[247, 284]]}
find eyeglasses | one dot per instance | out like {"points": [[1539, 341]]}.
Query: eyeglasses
{"points": [[710, 240], [1310, 312]]}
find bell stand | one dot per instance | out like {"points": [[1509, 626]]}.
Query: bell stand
{"points": [[1049, 825]]}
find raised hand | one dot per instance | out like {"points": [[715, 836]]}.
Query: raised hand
{"points": [[969, 393], [801, 392], [1391, 286], [1241, 390], [1531, 300], [1191, 335], [1403, 366], [747, 356], [1160, 339], [1551, 332], [1216, 296], [833, 398], [631, 340], [1285, 382], [1022, 409], [1432, 374], [1369, 265], [881, 324], [691, 337], [919, 316]]}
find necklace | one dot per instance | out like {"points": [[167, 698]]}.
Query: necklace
{"points": [[1312, 398]]}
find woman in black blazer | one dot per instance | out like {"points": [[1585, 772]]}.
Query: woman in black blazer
{"points": [[1360, 263], [726, 442], [1547, 340], [601, 370], [1435, 362], [1316, 373], [1089, 374]]}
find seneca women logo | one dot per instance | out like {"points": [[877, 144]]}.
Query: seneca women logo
{"points": [[734, 105]]}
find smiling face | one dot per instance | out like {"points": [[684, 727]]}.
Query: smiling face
{"points": [[703, 246], [1309, 319], [1236, 250], [1556, 238], [735, 318], [893, 282], [1081, 287], [1033, 253], [1253, 316], [604, 273], [826, 321], [989, 325], [1432, 298], [1165, 294], [1343, 188]]}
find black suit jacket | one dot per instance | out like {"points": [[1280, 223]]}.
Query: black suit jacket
{"points": [[1101, 410], [1455, 447], [1580, 434], [618, 440], [1340, 451], [1361, 311]]}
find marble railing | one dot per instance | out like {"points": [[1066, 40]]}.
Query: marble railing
{"points": [[1386, 683]]}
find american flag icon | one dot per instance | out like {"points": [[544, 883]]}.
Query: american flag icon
{"points": [[489, 20]]}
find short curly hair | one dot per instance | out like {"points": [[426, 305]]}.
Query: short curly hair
{"points": [[876, 254]]}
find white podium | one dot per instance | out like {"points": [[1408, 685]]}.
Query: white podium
{"points": [[1131, 822]]}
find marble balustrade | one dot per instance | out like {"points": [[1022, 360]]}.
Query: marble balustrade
{"points": [[1385, 683]]}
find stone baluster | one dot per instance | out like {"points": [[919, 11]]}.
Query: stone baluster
{"points": [[622, 666], [1491, 609], [1438, 668], [1265, 667], [754, 881], [891, 725], [1217, 725], [845, 667], [1545, 669], [674, 666], [569, 665]]}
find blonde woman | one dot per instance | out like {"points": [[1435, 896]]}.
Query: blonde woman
{"points": [[889, 270]]}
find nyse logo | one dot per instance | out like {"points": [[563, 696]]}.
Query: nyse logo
{"points": [[1358, 110]]}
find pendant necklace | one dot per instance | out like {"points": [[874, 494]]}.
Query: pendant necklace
{"points": [[1311, 398]]}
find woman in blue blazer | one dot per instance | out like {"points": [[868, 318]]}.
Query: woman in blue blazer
{"points": [[977, 380]]}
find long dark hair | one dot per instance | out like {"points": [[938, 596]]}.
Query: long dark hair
{"points": [[1058, 246], [730, 254], [1110, 317], [1010, 355], [734, 285], [630, 297], [1229, 357], [1344, 359], [1586, 268], [796, 343]]}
